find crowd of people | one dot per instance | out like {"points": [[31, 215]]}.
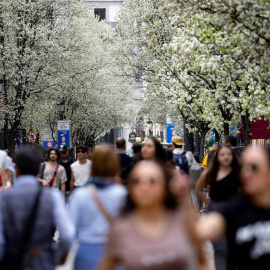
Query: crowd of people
{"points": [[140, 212]]}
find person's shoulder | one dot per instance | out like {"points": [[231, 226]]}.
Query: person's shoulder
{"points": [[80, 192], [89, 162], [61, 167], [119, 189], [74, 164]]}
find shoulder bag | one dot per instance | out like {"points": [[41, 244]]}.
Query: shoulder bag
{"points": [[101, 207]]}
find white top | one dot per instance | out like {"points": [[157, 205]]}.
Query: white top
{"points": [[4, 160], [91, 224], [81, 172]]}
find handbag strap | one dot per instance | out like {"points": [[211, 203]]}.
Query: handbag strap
{"points": [[28, 229], [54, 175], [43, 169], [101, 207]]}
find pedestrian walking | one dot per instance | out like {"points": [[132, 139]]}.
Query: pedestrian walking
{"points": [[136, 149], [152, 233], [182, 158], [80, 169], [125, 160], [51, 173], [66, 162], [28, 213], [152, 150], [4, 170], [231, 142], [94, 206], [245, 220], [223, 180]]}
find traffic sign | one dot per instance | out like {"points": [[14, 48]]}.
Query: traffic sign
{"points": [[31, 137], [49, 144], [64, 133]]}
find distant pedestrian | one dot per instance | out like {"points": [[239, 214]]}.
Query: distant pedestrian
{"points": [[182, 158], [268, 145], [28, 213], [51, 173], [66, 162], [153, 150], [4, 170], [136, 150], [152, 234], [80, 169], [125, 160], [94, 206], [11, 170], [231, 142]]}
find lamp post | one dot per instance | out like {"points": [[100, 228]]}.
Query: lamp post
{"points": [[61, 109], [149, 126]]}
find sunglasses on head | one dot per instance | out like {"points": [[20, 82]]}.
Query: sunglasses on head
{"points": [[80, 151]]}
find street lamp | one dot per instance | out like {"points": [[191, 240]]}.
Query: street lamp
{"points": [[149, 126], [61, 109], [1, 85]]}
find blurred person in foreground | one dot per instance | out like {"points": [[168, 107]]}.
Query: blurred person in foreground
{"points": [[154, 233], [93, 207], [28, 214], [222, 177], [246, 220]]}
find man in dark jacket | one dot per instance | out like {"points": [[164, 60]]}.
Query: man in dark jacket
{"points": [[28, 214], [125, 160]]}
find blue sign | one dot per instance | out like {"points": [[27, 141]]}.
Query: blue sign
{"points": [[170, 132], [64, 133], [49, 144]]}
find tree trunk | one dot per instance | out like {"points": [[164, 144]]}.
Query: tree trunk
{"points": [[217, 137], [203, 134], [226, 128], [246, 127]]}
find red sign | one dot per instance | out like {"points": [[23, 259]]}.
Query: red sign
{"points": [[31, 137], [63, 139], [49, 144]]}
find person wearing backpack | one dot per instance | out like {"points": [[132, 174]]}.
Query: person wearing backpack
{"points": [[183, 159]]}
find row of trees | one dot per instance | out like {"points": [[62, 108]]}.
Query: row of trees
{"points": [[206, 61], [52, 50]]}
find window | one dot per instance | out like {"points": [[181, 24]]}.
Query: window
{"points": [[100, 13]]}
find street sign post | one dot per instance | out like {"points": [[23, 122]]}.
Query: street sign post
{"points": [[64, 133]]}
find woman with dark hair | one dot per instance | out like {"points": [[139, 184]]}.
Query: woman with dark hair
{"points": [[152, 234], [245, 220], [152, 150], [94, 205], [222, 178]]}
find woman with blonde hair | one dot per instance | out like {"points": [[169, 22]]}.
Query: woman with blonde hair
{"points": [[93, 205]]}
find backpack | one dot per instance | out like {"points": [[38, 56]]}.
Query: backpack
{"points": [[181, 161]]}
